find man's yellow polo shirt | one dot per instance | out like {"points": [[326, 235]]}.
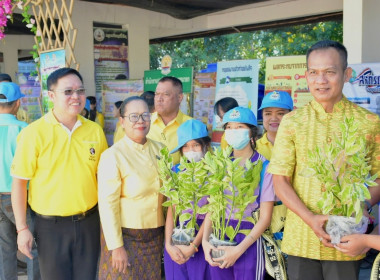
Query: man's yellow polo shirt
{"points": [[119, 133], [99, 119], [302, 130], [61, 165], [264, 146], [167, 135]]}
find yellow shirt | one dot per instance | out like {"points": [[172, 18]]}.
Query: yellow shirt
{"points": [[60, 164], [264, 146], [223, 142], [129, 186], [167, 135], [99, 119], [119, 133], [302, 130]]}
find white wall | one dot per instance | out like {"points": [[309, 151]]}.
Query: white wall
{"points": [[9, 46]]}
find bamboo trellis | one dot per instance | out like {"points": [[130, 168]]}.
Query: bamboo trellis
{"points": [[53, 18]]}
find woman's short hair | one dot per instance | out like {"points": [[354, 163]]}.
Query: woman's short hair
{"points": [[128, 100]]}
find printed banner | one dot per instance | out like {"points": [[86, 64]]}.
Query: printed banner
{"points": [[204, 98], [32, 90], [151, 78], [113, 91], [110, 55], [364, 86], [287, 73], [237, 79], [49, 62]]}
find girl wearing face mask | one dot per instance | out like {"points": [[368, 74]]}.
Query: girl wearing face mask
{"points": [[187, 262], [246, 259]]}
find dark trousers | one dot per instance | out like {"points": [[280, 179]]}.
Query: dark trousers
{"points": [[303, 268], [68, 250]]}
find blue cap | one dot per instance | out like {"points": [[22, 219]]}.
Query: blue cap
{"points": [[190, 130], [241, 115], [87, 106], [11, 91], [277, 99]]}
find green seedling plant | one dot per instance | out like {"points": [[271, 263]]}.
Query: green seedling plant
{"points": [[229, 185], [343, 169], [183, 189]]}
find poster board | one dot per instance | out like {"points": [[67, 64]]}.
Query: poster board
{"points": [[238, 79], [49, 62], [110, 55], [287, 73], [364, 86], [204, 98], [113, 91], [31, 102]]}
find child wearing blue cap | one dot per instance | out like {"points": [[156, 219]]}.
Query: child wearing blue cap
{"points": [[245, 260], [275, 105], [187, 262]]}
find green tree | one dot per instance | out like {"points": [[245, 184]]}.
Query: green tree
{"points": [[290, 40]]}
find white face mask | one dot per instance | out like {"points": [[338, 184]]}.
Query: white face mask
{"points": [[237, 138], [193, 156]]}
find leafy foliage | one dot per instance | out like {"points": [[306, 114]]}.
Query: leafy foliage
{"points": [[229, 186], [342, 168], [290, 40], [184, 189]]}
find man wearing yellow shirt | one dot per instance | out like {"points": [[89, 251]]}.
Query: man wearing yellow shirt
{"points": [[311, 255], [167, 118], [275, 105], [58, 155]]}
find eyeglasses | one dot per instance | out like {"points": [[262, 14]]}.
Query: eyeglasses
{"points": [[134, 118], [70, 92]]}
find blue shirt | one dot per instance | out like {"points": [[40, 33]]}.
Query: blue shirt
{"points": [[10, 127]]}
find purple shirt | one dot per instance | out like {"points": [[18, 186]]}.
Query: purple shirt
{"points": [[267, 191]]}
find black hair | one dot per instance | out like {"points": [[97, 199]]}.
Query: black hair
{"points": [[92, 113], [6, 104], [117, 104], [60, 73], [226, 104], [128, 100], [87, 113], [4, 77], [92, 99], [205, 142], [325, 44], [254, 132], [175, 82], [120, 77], [149, 98]]}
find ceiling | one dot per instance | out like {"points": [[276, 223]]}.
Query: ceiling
{"points": [[181, 9]]}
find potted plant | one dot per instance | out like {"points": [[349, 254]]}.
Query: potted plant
{"points": [[342, 168], [230, 186], [184, 190]]}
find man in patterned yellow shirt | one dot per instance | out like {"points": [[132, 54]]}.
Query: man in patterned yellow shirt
{"points": [[311, 255], [168, 117]]}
